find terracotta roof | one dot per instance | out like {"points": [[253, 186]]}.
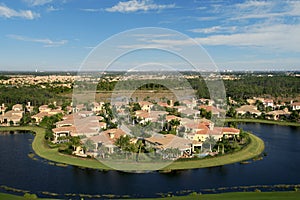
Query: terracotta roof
{"points": [[296, 104], [163, 104], [172, 117], [106, 136], [145, 103], [169, 141]]}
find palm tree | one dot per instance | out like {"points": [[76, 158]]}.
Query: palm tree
{"points": [[174, 124], [211, 141]]}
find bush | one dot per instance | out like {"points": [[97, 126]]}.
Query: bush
{"points": [[30, 196]]}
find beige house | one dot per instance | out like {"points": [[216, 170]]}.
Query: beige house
{"points": [[248, 108], [170, 141], [296, 106], [275, 115], [107, 139], [12, 117], [146, 106]]}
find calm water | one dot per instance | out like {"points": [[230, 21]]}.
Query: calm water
{"points": [[281, 166]]}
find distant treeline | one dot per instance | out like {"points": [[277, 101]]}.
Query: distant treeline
{"points": [[276, 86], [37, 96], [244, 87]]}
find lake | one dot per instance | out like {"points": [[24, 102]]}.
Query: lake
{"points": [[280, 166]]}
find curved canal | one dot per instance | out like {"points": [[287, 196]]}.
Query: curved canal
{"points": [[280, 166]]}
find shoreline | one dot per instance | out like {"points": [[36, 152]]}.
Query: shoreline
{"points": [[262, 121], [247, 195], [252, 150]]}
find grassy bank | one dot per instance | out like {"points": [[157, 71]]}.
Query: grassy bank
{"points": [[223, 196], [254, 149], [239, 196], [263, 121]]}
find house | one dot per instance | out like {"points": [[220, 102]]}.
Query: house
{"points": [[44, 108], [39, 117], [248, 109], [152, 116], [11, 117], [172, 117], [146, 106], [295, 106], [169, 141], [217, 132], [45, 111], [163, 104], [276, 114], [17, 107], [191, 113], [190, 104], [268, 102], [107, 139], [214, 111], [63, 131], [97, 107], [87, 126]]}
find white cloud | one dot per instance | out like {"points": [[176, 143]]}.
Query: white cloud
{"points": [[90, 10], [137, 5], [214, 29], [37, 2], [52, 9], [7, 12], [253, 3], [47, 42]]}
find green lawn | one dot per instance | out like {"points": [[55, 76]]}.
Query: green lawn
{"points": [[254, 149], [223, 196], [4, 196], [263, 121], [10, 197], [239, 196]]}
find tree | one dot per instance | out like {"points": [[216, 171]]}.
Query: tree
{"points": [[231, 112], [89, 144], [210, 140], [174, 124], [49, 135]]}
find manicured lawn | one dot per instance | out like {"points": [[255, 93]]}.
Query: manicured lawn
{"points": [[4, 196], [254, 149], [263, 121], [240, 196], [10, 197], [223, 196]]}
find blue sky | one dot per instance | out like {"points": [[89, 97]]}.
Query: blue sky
{"points": [[55, 35]]}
